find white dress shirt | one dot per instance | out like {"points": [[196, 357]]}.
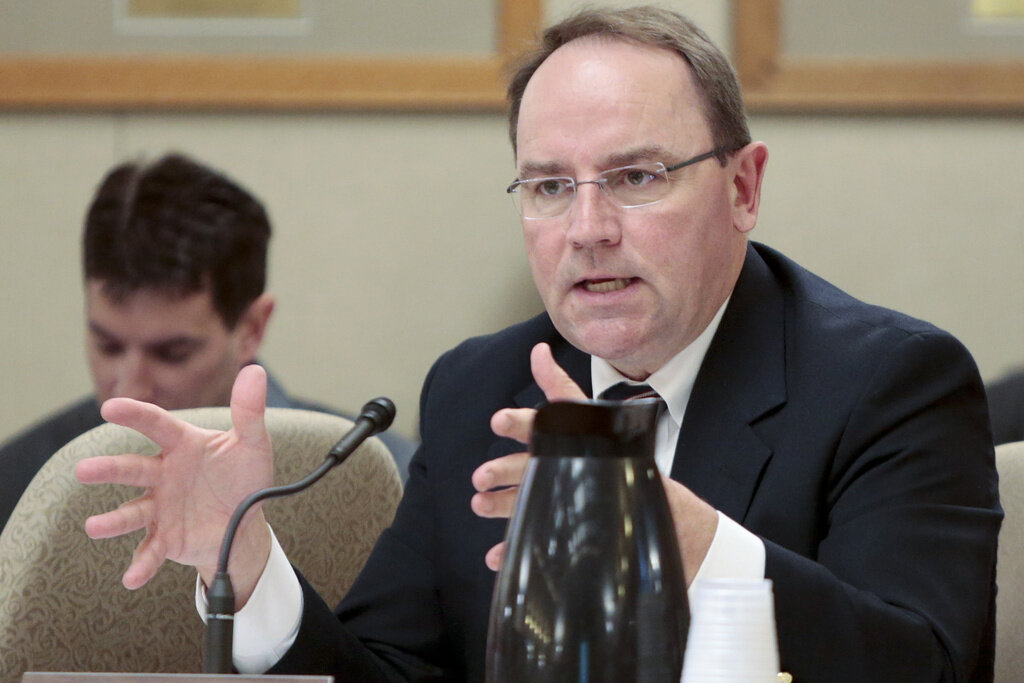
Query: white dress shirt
{"points": [[735, 553], [269, 623]]}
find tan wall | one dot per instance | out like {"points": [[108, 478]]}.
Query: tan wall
{"points": [[394, 240]]}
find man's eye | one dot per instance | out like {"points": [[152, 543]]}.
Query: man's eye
{"points": [[637, 177], [173, 357], [108, 349], [551, 188]]}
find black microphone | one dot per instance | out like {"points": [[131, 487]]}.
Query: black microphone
{"points": [[375, 417]]}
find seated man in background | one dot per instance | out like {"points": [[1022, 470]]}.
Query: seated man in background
{"points": [[840, 449], [174, 257], [1006, 407]]}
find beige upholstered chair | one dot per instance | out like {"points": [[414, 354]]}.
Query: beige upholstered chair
{"points": [[62, 606], [1010, 567]]}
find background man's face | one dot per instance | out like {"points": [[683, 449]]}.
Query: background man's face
{"points": [[175, 352], [633, 286]]}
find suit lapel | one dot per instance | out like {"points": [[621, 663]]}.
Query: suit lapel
{"points": [[719, 456]]}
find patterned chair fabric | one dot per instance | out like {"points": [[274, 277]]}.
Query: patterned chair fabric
{"points": [[62, 605], [1010, 565]]}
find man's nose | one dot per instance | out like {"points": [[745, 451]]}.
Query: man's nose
{"points": [[134, 378], [593, 217]]}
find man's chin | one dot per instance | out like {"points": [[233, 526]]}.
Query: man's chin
{"points": [[615, 344]]}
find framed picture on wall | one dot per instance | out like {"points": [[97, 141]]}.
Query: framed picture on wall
{"points": [[881, 55]]}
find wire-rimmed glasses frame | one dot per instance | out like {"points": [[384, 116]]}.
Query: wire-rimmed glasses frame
{"points": [[628, 187]]}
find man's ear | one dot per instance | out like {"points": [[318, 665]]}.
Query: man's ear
{"points": [[748, 166], [252, 325]]}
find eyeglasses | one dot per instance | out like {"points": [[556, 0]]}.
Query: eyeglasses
{"points": [[627, 186]]}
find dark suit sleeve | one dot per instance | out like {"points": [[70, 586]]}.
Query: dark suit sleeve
{"points": [[388, 627], [901, 588]]}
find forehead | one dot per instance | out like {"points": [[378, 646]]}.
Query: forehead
{"points": [[149, 314], [598, 97]]}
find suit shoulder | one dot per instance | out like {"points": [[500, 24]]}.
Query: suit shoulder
{"points": [[52, 432], [859, 350], [814, 300]]}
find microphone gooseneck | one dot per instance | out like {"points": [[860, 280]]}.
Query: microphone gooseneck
{"points": [[375, 417]]}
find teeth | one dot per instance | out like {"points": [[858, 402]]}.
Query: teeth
{"points": [[606, 285]]}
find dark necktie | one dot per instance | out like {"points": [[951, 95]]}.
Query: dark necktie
{"points": [[624, 391]]}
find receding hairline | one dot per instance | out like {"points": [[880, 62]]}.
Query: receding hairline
{"points": [[715, 78], [617, 39]]}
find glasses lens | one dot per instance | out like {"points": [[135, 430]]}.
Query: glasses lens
{"points": [[628, 186], [637, 185], [543, 197]]}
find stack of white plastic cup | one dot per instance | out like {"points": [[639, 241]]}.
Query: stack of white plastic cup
{"points": [[732, 633]]}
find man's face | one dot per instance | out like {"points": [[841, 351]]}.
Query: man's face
{"points": [[633, 286], [175, 352]]}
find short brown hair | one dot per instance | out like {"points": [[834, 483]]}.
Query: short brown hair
{"points": [[177, 227], [715, 78]]}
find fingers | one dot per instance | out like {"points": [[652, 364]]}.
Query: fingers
{"points": [[494, 504], [552, 379], [152, 421], [504, 471], [248, 403], [514, 423], [127, 470], [146, 561], [497, 483], [494, 557], [128, 517]]}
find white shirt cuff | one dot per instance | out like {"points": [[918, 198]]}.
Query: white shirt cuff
{"points": [[735, 553], [269, 623]]}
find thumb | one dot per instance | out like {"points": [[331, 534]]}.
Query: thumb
{"points": [[248, 402], [552, 379]]}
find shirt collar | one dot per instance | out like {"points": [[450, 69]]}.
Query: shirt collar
{"points": [[674, 380]]}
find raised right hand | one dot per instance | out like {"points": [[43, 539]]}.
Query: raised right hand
{"points": [[192, 487]]}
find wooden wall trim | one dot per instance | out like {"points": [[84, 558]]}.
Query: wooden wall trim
{"points": [[193, 82]]}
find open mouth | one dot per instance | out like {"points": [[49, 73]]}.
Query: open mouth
{"points": [[610, 285]]}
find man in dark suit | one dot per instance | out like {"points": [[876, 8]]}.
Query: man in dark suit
{"points": [[174, 257], [839, 449]]}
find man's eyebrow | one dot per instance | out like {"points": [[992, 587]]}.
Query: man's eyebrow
{"points": [[637, 154], [98, 330], [532, 169], [155, 345]]}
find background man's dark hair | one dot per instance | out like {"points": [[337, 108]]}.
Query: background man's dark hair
{"points": [[714, 76], [176, 226]]}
